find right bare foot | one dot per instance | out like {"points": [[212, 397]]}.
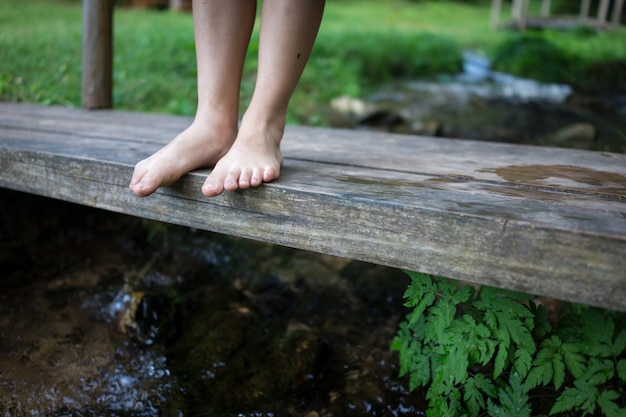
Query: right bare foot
{"points": [[199, 146]]}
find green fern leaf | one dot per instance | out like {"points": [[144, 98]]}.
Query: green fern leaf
{"points": [[440, 316], [477, 338], [448, 406], [523, 361], [490, 317], [581, 397], [599, 371], [447, 287], [574, 361], [511, 322], [500, 361], [540, 374], [420, 294], [518, 332], [608, 407], [414, 357], [513, 400], [559, 370], [621, 369], [458, 363], [598, 331], [549, 364], [463, 295], [473, 392], [569, 399], [620, 343]]}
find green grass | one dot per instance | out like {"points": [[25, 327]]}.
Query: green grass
{"points": [[361, 45]]}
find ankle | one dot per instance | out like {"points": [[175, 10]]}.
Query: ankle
{"points": [[271, 124], [225, 123]]}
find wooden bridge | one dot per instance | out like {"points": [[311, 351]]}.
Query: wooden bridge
{"points": [[546, 221]]}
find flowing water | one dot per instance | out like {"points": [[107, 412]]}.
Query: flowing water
{"points": [[108, 315], [482, 104]]}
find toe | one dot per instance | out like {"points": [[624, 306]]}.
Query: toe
{"points": [[245, 178], [231, 182], [145, 186], [256, 178], [138, 174], [212, 188], [270, 174]]}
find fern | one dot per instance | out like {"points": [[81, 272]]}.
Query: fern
{"points": [[583, 397], [484, 352], [608, 406], [476, 388], [512, 324], [550, 363], [513, 400], [420, 294]]}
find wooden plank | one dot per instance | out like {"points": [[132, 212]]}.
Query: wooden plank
{"points": [[541, 220], [97, 55], [602, 173]]}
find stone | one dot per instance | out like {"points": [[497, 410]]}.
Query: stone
{"points": [[575, 135]]}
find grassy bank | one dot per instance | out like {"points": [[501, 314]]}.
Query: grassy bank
{"points": [[361, 45]]}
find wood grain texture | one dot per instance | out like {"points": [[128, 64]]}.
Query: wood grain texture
{"points": [[541, 220]]}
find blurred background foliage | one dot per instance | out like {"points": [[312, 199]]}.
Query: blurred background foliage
{"points": [[362, 45]]}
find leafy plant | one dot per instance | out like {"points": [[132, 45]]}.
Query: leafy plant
{"points": [[493, 352], [534, 56]]}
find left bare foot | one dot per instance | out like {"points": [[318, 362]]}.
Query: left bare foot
{"points": [[253, 159]]}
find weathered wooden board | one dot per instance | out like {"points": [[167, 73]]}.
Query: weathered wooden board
{"points": [[542, 220]]}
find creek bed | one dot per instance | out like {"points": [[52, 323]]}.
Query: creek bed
{"points": [[109, 315]]}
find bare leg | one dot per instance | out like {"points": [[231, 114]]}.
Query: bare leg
{"points": [[222, 30], [288, 31]]}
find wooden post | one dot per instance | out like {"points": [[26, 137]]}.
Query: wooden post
{"points": [[97, 80], [177, 5], [617, 12], [584, 10], [603, 11], [496, 6], [516, 9], [545, 8], [524, 19]]}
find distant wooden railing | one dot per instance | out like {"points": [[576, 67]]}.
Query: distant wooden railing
{"points": [[520, 13]]}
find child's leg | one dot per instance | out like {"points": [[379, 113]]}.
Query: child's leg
{"points": [[288, 31], [222, 30]]}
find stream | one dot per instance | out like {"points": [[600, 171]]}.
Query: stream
{"points": [[482, 104], [108, 315]]}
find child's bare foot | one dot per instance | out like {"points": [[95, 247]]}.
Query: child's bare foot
{"points": [[200, 145], [253, 159]]}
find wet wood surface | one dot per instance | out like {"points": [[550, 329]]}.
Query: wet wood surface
{"points": [[546, 221]]}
